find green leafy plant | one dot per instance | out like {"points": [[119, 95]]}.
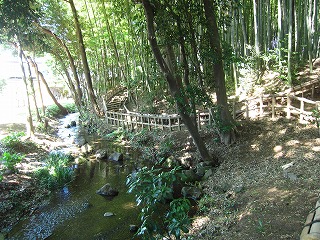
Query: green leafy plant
{"points": [[10, 160], [260, 226], [177, 218], [206, 203], [153, 189], [13, 141], [56, 172]]}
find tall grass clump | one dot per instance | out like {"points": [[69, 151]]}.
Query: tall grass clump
{"points": [[56, 173]]}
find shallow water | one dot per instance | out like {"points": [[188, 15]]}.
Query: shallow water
{"points": [[76, 211]]}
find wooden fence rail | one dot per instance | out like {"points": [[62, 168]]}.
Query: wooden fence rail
{"points": [[267, 105], [171, 122], [272, 104]]}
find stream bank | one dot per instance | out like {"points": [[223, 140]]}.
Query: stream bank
{"points": [[76, 211]]}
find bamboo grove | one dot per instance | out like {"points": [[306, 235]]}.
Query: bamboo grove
{"points": [[104, 45]]}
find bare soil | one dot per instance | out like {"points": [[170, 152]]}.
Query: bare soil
{"points": [[250, 195]]}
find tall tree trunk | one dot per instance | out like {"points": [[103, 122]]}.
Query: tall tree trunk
{"points": [[290, 42], [84, 59], [173, 83], [29, 124], [32, 87], [69, 81], [227, 133], [257, 32], [310, 34], [279, 31], [35, 66], [244, 32]]}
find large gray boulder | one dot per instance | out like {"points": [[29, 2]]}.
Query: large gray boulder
{"points": [[108, 191]]}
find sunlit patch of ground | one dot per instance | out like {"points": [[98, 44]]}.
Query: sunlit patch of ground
{"points": [[276, 164]]}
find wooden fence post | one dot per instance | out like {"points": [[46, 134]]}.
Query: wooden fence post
{"points": [[273, 106], [247, 110], [233, 110], [261, 106], [312, 91], [301, 110], [288, 107]]}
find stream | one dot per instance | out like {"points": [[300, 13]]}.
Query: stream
{"points": [[76, 211]]}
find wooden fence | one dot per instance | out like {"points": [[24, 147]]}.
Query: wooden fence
{"points": [[273, 105], [267, 105], [171, 122]]}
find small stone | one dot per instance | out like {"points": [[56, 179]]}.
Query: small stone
{"points": [[133, 228], [85, 149], [208, 174], [108, 214], [107, 190], [189, 176], [288, 165], [191, 192], [290, 176], [116, 157], [73, 124], [101, 154]]}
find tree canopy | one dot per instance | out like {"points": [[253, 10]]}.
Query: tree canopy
{"points": [[181, 51]]}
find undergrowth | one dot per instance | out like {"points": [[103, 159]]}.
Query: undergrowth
{"points": [[56, 173]]}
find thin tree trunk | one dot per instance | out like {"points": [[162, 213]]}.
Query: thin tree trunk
{"points": [[84, 59], [310, 34], [290, 43], [244, 32], [35, 66], [32, 88], [279, 31], [29, 124]]}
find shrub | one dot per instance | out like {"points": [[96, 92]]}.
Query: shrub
{"points": [[54, 112], [57, 171], [152, 189], [11, 160]]}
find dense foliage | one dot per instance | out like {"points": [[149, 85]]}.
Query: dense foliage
{"points": [[56, 173]]}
